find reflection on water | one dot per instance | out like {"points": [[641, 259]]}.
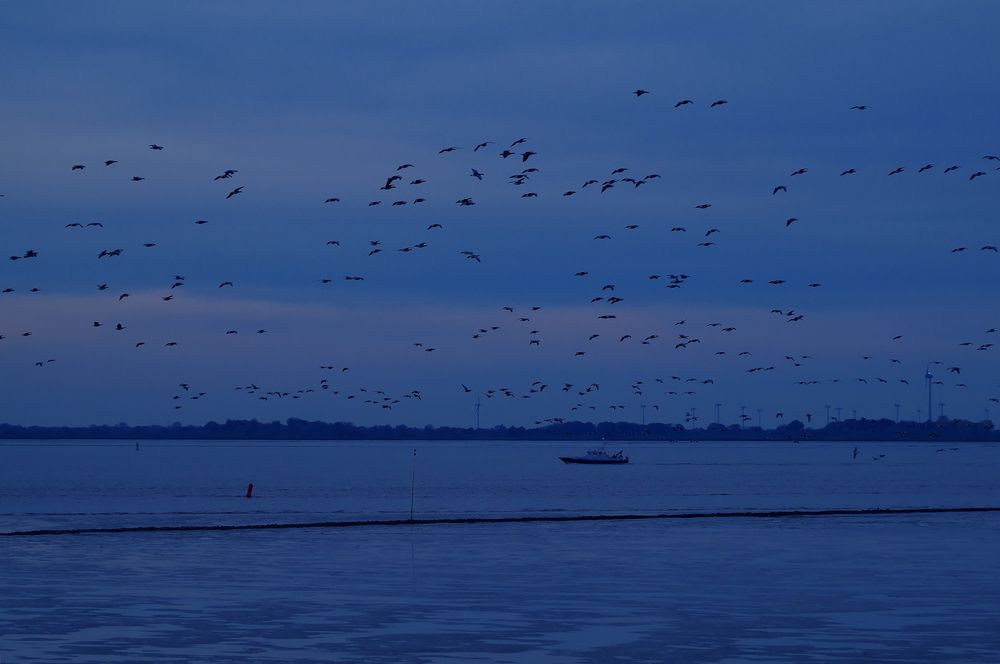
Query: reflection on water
{"points": [[855, 589], [910, 588]]}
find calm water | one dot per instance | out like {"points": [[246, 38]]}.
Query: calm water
{"points": [[910, 588], [69, 484]]}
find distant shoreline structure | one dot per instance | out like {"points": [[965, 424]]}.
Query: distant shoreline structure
{"points": [[943, 429]]}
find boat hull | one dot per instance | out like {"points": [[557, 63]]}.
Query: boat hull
{"points": [[605, 462]]}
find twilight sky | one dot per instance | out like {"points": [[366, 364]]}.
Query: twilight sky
{"points": [[310, 101]]}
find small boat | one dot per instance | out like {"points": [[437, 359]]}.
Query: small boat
{"points": [[599, 455]]}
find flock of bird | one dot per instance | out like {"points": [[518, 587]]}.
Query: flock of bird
{"points": [[519, 163]]}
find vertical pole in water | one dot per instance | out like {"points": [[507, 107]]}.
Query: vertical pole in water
{"points": [[930, 381], [250, 490], [413, 481]]}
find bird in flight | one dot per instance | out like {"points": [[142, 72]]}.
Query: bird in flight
{"points": [[238, 190]]}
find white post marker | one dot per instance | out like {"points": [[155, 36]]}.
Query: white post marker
{"points": [[413, 481]]}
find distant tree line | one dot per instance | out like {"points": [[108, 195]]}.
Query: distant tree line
{"points": [[943, 429]]}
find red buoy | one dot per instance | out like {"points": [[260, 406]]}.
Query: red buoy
{"points": [[250, 490]]}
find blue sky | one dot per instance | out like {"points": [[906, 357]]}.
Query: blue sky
{"points": [[319, 100]]}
